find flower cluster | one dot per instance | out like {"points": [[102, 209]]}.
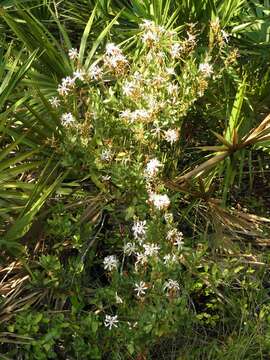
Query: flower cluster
{"points": [[129, 248], [171, 135], [139, 230], [175, 237], [111, 321], [67, 119], [67, 84], [206, 69], [110, 262], [55, 102], [136, 115], [159, 201], [95, 72], [140, 288], [152, 33], [73, 54], [153, 167], [151, 249], [171, 286], [180, 49], [115, 60]]}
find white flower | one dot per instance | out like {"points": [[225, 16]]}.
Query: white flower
{"points": [[161, 202], [158, 80], [112, 49], [137, 76], [170, 71], [147, 24], [151, 249], [118, 299], [140, 288], [153, 103], [66, 85], [110, 262], [140, 114], [161, 55], [173, 234], [125, 114], [95, 72], [106, 155], [170, 259], [156, 129], [63, 90], [175, 50], [116, 61], [167, 259], [110, 321], [142, 259], [129, 249], [73, 53], [161, 29], [168, 217], [139, 229], [225, 36], [172, 89], [191, 38], [129, 88], [68, 81], [171, 135], [150, 37], [179, 243], [55, 102], [79, 74], [176, 237], [206, 69], [171, 285], [153, 167], [67, 119], [105, 177]]}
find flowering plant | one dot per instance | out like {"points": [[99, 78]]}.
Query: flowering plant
{"points": [[124, 116], [130, 239]]}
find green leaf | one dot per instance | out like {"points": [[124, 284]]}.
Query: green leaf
{"points": [[36, 201], [99, 40], [235, 119], [86, 34]]}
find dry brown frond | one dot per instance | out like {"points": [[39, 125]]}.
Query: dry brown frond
{"points": [[260, 133], [14, 291]]}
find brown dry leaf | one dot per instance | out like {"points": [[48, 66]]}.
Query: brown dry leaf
{"points": [[199, 170]]}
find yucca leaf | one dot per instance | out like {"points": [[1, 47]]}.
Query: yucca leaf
{"points": [[13, 76], [13, 160], [62, 29], [222, 140], [86, 34], [37, 38], [11, 173], [235, 119], [37, 200], [99, 40], [213, 148]]}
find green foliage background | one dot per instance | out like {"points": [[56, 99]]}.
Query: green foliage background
{"points": [[59, 219]]}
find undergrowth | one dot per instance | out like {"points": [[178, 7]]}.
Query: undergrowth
{"points": [[134, 181]]}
